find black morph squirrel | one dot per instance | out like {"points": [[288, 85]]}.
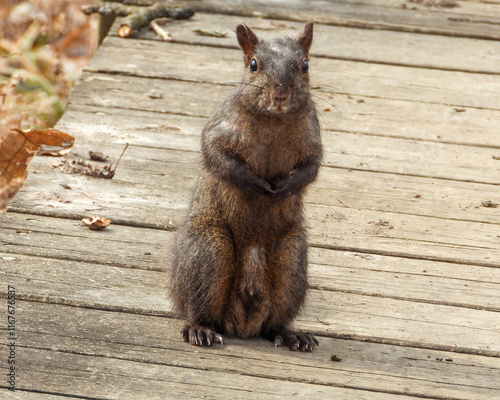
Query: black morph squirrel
{"points": [[240, 259]]}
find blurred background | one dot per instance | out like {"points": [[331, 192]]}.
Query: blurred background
{"points": [[44, 45]]}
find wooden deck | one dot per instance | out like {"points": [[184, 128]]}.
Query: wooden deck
{"points": [[404, 221]]}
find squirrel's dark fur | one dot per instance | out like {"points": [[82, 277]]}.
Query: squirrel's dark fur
{"points": [[240, 259]]}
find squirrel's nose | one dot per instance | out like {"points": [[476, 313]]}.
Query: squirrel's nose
{"points": [[280, 96]]}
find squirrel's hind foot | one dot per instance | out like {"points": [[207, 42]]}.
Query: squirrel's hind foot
{"points": [[199, 335], [296, 340]]}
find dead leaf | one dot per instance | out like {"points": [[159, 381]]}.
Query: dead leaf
{"points": [[16, 151], [96, 222]]}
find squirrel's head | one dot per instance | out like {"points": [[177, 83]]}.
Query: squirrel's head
{"points": [[276, 80]]}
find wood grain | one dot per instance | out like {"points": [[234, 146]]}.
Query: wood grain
{"points": [[346, 42], [366, 15], [403, 229], [329, 309], [152, 345]]}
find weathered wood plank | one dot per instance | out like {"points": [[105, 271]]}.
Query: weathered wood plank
{"points": [[142, 290], [70, 373], [415, 324], [402, 194], [361, 115], [331, 313], [163, 179], [342, 149], [91, 285], [469, 7], [362, 15], [146, 339], [332, 225], [406, 279], [416, 158], [127, 198], [412, 120], [210, 64], [69, 239], [350, 43], [404, 235], [35, 395]]}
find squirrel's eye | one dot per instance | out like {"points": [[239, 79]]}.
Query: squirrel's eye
{"points": [[305, 66], [253, 65]]}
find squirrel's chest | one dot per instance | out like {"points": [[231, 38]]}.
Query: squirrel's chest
{"points": [[272, 153], [268, 162]]}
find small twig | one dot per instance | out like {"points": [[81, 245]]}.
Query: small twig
{"points": [[214, 33], [341, 202], [118, 162], [160, 31]]}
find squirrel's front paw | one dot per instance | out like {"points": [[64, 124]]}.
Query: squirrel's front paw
{"points": [[296, 341], [285, 186], [199, 335]]}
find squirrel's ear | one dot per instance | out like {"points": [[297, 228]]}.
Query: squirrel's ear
{"points": [[306, 37], [247, 41]]}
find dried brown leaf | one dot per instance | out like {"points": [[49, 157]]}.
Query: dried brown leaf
{"points": [[96, 222], [16, 151]]}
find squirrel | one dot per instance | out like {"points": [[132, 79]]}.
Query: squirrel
{"points": [[240, 258]]}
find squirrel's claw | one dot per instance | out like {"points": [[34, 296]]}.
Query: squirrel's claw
{"points": [[296, 341], [218, 339], [200, 335]]}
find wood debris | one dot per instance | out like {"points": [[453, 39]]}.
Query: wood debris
{"points": [[167, 37], [83, 167], [98, 156], [213, 33], [436, 3], [489, 204], [136, 17], [79, 166]]}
